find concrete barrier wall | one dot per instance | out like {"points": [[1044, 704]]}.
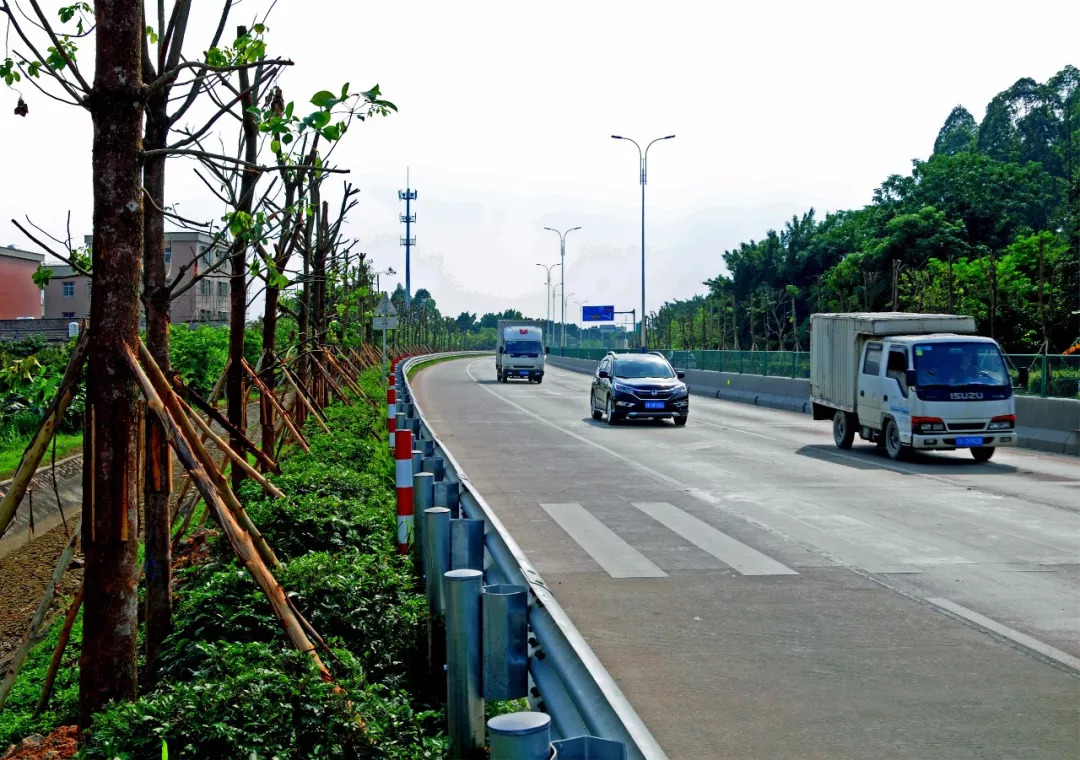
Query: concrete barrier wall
{"points": [[1046, 424]]}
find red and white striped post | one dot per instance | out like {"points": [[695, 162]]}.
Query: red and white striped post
{"points": [[391, 410], [404, 479]]}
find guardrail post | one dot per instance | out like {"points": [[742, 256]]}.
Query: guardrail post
{"points": [[1044, 384], [447, 494], [588, 748], [467, 544], [436, 556], [428, 447], [404, 482], [505, 648], [424, 499], [520, 736], [464, 701], [391, 411], [434, 465]]}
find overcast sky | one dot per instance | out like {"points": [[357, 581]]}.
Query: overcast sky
{"points": [[506, 112]]}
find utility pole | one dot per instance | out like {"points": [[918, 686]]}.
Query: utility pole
{"points": [[409, 218], [548, 269]]}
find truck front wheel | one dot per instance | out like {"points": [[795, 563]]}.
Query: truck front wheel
{"points": [[982, 453], [843, 430], [892, 441]]}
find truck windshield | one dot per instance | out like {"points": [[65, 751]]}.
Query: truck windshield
{"points": [[642, 367], [518, 347], [954, 364]]}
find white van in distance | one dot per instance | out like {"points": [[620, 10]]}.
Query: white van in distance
{"points": [[911, 381], [520, 350]]}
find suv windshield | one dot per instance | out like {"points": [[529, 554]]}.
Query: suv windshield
{"points": [[642, 367], [524, 347], [960, 364]]}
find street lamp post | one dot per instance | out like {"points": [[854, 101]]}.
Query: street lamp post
{"points": [[549, 268], [562, 276], [643, 163]]}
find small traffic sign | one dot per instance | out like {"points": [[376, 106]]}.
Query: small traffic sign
{"points": [[385, 308], [384, 323]]}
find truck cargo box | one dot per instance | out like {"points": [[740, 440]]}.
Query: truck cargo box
{"points": [[836, 342]]}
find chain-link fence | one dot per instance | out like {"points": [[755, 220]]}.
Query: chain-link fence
{"points": [[1054, 375]]}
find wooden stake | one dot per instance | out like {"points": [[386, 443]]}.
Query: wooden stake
{"points": [[54, 414], [330, 381], [158, 394], [58, 653], [237, 460], [273, 400], [300, 394]]}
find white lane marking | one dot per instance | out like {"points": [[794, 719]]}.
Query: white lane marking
{"points": [[731, 552], [994, 626], [617, 557]]}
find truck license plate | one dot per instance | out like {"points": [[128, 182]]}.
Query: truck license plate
{"points": [[654, 404], [969, 440], [524, 373]]}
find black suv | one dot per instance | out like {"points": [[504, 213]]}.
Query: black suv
{"points": [[638, 386]]}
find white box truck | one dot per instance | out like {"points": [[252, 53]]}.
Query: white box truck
{"points": [[520, 350], [911, 381]]}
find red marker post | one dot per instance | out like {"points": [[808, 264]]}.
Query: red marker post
{"points": [[391, 409], [404, 480]]}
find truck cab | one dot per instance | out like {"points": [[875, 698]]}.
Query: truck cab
{"points": [[935, 392]]}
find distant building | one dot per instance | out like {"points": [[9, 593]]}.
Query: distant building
{"points": [[68, 293], [19, 296]]}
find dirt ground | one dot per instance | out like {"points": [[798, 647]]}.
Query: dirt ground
{"points": [[24, 575], [59, 745]]}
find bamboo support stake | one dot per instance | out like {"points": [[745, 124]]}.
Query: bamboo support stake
{"points": [[58, 653], [157, 391], [193, 398], [240, 539], [308, 403], [237, 460], [39, 617], [330, 381], [352, 384], [35, 452], [277, 405]]}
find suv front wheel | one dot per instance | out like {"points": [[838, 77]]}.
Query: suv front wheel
{"points": [[596, 413], [612, 417]]}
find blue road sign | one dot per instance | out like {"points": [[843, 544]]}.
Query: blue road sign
{"points": [[597, 313]]}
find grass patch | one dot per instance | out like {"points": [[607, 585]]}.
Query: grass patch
{"points": [[11, 451]]}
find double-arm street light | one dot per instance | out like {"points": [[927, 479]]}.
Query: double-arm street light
{"points": [[548, 268], [643, 164], [562, 273]]}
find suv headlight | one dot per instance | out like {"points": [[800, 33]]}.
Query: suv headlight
{"points": [[680, 390], [622, 388]]}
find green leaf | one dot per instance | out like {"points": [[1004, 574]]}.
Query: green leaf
{"points": [[319, 119], [151, 35], [259, 28], [344, 91], [42, 276], [164, 750], [287, 138], [289, 110], [275, 146], [323, 99]]}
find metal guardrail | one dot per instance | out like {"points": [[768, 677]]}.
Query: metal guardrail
{"points": [[588, 712]]}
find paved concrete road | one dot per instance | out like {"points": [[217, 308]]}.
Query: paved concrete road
{"points": [[758, 593]]}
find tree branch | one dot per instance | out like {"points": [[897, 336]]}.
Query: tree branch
{"points": [[207, 68], [66, 259], [59, 48], [207, 156]]}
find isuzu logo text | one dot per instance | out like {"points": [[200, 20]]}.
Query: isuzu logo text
{"points": [[970, 396]]}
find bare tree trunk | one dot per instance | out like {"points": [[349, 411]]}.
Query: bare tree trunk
{"points": [[238, 280], [1042, 300], [158, 458], [110, 448]]}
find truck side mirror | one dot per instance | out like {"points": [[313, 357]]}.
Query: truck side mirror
{"points": [[602, 374], [1024, 376], [502, 350], [911, 378], [547, 349]]}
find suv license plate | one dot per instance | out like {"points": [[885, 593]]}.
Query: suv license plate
{"points": [[969, 440], [654, 404]]}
